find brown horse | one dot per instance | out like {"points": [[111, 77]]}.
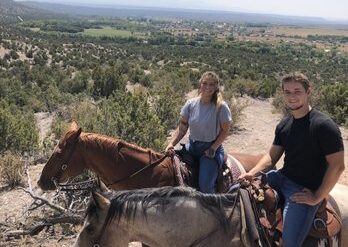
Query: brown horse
{"points": [[119, 165]]}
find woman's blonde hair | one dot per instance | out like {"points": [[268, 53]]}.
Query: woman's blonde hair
{"points": [[217, 98]]}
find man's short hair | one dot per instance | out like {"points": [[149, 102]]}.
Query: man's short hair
{"points": [[296, 77]]}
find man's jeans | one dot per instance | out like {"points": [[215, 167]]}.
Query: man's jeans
{"points": [[208, 168], [297, 217]]}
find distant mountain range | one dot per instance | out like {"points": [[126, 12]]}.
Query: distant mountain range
{"points": [[11, 8], [11, 11]]}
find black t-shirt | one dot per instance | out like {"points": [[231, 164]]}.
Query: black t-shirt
{"points": [[306, 141]]}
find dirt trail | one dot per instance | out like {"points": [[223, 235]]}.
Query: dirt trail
{"points": [[44, 123], [254, 133]]}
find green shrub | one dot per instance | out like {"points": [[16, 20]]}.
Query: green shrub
{"points": [[11, 169], [278, 102], [129, 116], [123, 115], [267, 88], [167, 104], [333, 99], [17, 129], [242, 87], [236, 105]]}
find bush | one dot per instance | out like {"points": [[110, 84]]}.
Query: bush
{"points": [[333, 99], [243, 87], [124, 115], [11, 169], [278, 102], [17, 129], [167, 104], [130, 117], [267, 88], [236, 106]]}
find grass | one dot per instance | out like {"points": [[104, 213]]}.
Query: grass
{"points": [[111, 32], [304, 32]]}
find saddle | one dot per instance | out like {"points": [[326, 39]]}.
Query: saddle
{"points": [[186, 170], [268, 212]]}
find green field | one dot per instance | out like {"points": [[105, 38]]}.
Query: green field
{"points": [[304, 32], [111, 32]]}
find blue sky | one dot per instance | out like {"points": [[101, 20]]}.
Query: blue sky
{"points": [[330, 9]]}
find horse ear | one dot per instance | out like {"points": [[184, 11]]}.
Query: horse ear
{"points": [[74, 132], [100, 201], [74, 125], [102, 187]]}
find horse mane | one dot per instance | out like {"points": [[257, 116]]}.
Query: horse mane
{"points": [[112, 144], [126, 203]]}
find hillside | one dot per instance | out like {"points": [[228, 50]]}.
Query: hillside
{"points": [[11, 11], [205, 15]]}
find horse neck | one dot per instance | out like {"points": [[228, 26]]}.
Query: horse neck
{"points": [[111, 158], [151, 228]]}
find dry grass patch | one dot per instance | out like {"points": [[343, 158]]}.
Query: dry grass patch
{"points": [[11, 169]]}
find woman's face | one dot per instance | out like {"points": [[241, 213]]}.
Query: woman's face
{"points": [[208, 86]]}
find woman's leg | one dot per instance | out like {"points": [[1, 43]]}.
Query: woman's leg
{"points": [[209, 171]]}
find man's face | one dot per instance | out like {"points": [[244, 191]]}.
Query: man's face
{"points": [[295, 95]]}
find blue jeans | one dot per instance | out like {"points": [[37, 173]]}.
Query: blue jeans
{"points": [[297, 217], [208, 167]]}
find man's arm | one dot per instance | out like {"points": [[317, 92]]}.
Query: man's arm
{"points": [[332, 174], [267, 162]]}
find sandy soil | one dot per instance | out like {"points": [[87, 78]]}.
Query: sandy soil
{"points": [[253, 135]]}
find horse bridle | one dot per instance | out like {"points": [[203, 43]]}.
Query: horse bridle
{"points": [[65, 163]]}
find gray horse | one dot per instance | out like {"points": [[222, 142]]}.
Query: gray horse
{"points": [[164, 216], [173, 216]]}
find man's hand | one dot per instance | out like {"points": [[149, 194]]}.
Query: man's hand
{"points": [[306, 197], [245, 177]]}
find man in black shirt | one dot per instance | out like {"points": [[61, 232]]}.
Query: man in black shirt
{"points": [[313, 162]]}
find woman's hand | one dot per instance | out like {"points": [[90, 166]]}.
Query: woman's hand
{"points": [[170, 150], [210, 153]]}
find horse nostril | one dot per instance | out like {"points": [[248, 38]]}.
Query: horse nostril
{"points": [[64, 167], [46, 184]]}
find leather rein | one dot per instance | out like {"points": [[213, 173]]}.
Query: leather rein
{"points": [[156, 162]]}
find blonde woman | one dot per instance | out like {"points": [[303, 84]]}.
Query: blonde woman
{"points": [[208, 118]]}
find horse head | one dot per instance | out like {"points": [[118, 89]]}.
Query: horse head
{"points": [[94, 227], [65, 160]]}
